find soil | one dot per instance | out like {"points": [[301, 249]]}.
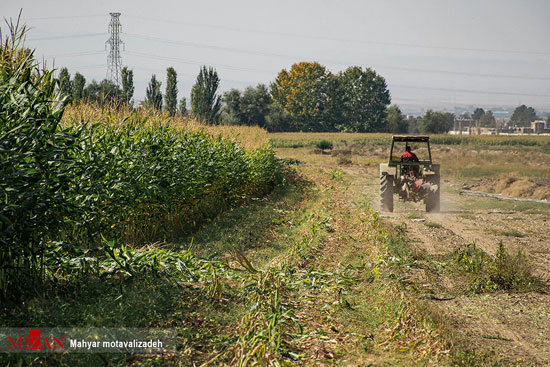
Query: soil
{"points": [[513, 325], [533, 188]]}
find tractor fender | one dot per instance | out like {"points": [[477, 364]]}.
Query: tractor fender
{"points": [[384, 168]]}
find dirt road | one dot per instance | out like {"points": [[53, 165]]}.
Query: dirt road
{"points": [[514, 325]]}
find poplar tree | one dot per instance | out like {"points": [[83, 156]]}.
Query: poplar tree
{"points": [[183, 107], [205, 101], [153, 95], [79, 82], [65, 82], [127, 85], [171, 94]]}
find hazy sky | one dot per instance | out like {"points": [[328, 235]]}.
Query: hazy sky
{"points": [[433, 53]]}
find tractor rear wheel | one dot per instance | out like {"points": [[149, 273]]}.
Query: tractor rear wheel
{"points": [[432, 200], [386, 192]]}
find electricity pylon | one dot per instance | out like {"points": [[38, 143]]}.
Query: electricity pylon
{"points": [[114, 60]]}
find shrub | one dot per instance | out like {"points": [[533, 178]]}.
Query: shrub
{"points": [[503, 272], [324, 144]]}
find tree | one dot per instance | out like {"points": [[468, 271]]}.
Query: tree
{"points": [[478, 113], [171, 94], [79, 82], [277, 119], [487, 120], [102, 93], [476, 116], [255, 105], [396, 124], [450, 120], [231, 110], [523, 115], [92, 92], [365, 98], [183, 107], [205, 101], [248, 108], [127, 85], [434, 123], [308, 92], [65, 82], [153, 95], [110, 92]]}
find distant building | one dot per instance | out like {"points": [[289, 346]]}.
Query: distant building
{"points": [[463, 125], [526, 130], [538, 126]]}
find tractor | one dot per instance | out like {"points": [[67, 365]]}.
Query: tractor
{"points": [[413, 178]]}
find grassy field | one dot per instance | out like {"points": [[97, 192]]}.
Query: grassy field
{"points": [[118, 218], [310, 274], [342, 140], [461, 157]]}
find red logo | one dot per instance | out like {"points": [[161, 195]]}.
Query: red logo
{"points": [[35, 341]]}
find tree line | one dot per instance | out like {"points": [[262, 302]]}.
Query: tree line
{"points": [[307, 97]]}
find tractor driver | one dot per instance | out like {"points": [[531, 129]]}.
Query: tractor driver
{"points": [[408, 156]]}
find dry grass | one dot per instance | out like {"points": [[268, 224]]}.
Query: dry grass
{"points": [[461, 157], [251, 137], [514, 186], [500, 142]]}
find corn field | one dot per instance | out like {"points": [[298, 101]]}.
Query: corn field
{"points": [[69, 190]]}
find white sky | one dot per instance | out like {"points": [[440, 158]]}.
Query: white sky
{"points": [[437, 54]]}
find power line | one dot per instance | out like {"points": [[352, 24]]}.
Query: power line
{"points": [[75, 54], [305, 36], [94, 66], [470, 91], [337, 39], [392, 85], [67, 36], [230, 67], [66, 17], [200, 63], [193, 76], [449, 72], [214, 47], [434, 71]]}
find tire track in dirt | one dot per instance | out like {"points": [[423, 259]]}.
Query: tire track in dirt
{"points": [[514, 326]]}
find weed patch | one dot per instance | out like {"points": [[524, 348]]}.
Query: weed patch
{"points": [[433, 225], [470, 358], [509, 233], [336, 174], [503, 272], [324, 144], [397, 242]]}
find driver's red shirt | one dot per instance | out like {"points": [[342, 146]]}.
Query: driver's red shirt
{"points": [[409, 155]]}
